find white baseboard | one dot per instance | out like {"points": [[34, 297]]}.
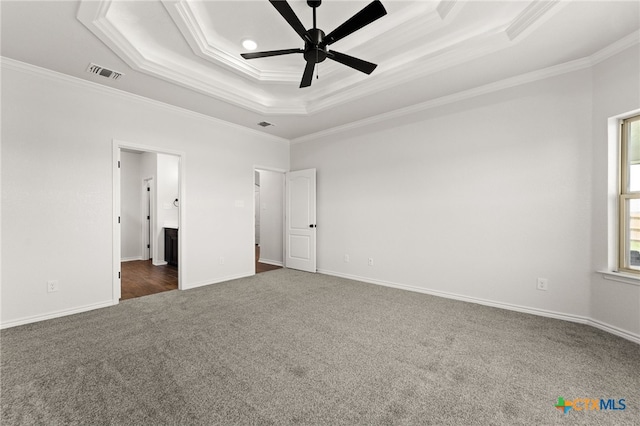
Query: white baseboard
{"points": [[508, 306], [190, 286], [159, 263], [130, 259], [614, 330], [271, 262], [56, 314]]}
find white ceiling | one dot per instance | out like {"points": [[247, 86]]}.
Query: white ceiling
{"points": [[187, 53]]}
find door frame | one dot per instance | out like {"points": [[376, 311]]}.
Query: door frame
{"points": [[117, 146], [283, 172], [147, 235]]}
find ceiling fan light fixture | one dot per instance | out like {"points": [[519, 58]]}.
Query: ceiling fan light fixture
{"points": [[249, 44]]}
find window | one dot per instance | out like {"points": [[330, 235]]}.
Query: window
{"points": [[629, 258]]}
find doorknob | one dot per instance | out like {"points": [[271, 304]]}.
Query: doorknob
{"points": [[313, 226]]}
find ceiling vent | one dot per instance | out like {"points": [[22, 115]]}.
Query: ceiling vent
{"points": [[104, 72], [265, 124]]}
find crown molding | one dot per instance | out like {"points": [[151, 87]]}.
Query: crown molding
{"points": [[616, 47], [456, 53], [447, 9], [190, 25], [453, 98], [530, 18], [409, 25], [23, 67], [93, 14]]}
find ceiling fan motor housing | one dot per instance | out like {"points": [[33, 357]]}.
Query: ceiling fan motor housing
{"points": [[315, 51]]}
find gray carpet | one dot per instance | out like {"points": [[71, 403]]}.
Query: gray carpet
{"points": [[287, 347]]}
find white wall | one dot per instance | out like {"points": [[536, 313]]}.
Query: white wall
{"points": [[57, 189], [257, 205], [616, 83], [271, 217], [167, 190], [149, 170], [475, 199], [131, 206]]}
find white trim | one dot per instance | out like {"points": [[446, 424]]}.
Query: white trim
{"points": [[501, 305], [587, 62], [530, 77], [117, 146], [189, 23], [283, 173], [635, 338], [161, 263], [453, 98], [131, 259], [616, 47], [271, 262], [530, 18], [107, 90], [187, 73], [217, 280], [621, 277], [147, 201], [116, 290], [56, 314], [613, 193]]}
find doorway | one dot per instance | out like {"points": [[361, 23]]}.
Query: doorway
{"points": [[148, 203], [269, 219]]}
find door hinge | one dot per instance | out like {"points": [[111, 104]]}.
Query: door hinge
{"points": [[118, 163], [118, 219], [148, 246], [148, 217], [148, 189], [118, 275]]}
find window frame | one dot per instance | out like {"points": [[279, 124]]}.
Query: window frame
{"points": [[625, 195]]}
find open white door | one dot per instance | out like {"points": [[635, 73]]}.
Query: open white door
{"points": [[301, 220]]}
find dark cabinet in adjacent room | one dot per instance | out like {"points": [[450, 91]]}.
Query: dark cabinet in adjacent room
{"points": [[171, 246]]}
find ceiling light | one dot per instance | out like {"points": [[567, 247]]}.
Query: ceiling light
{"points": [[249, 44]]}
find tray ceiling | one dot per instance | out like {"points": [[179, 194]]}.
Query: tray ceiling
{"points": [[190, 51]]}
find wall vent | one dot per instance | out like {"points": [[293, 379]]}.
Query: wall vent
{"points": [[104, 72], [265, 124]]}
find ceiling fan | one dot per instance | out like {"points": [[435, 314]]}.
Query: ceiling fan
{"points": [[316, 42]]}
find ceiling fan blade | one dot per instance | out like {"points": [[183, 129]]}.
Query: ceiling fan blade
{"points": [[290, 16], [370, 13], [308, 74], [265, 54], [350, 61]]}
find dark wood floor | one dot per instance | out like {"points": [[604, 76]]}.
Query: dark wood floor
{"points": [[141, 278], [263, 267]]}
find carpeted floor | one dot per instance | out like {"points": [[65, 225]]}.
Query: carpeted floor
{"points": [[287, 347]]}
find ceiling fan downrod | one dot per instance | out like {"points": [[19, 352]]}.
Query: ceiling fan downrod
{"points": [[314, 4], [314, 49]]}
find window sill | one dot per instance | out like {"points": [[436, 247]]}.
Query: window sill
{"points": [[623, 277]]}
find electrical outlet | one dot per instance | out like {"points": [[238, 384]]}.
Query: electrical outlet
{"points": [[346, 258], [52, 286], [371, 261], [543, 284], [222, 260]]}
